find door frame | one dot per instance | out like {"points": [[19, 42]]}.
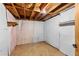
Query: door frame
{"points": [[77, 28]]}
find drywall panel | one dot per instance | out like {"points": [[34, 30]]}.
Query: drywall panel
{"points": [[67, 39], [68, 15], [4, 33], [4, 42], [52, 31], [67, 33], [18, 33], [12, 38], [29, 32], [10, 17], [25, 32], [38, 31], [3, 21], [12, 31]]}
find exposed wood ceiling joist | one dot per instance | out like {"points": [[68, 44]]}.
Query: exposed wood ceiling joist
{"points": [[24, 10], [32, 12], [54, 9], [41, 8], [47, 9], [57, 11], [36, 11], [16, 10]]}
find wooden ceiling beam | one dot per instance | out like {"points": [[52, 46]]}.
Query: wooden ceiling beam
{"points": [[43, 5], [17, 7], [58, 11], [41, 8], [32, 12], [36, 8], [65, 7], [15, 10], [40, 12], [24, 10], [36, 11], [50, 8], [8, 6]]}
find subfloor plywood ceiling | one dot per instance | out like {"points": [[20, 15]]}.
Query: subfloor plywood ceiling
{"points": [[36, 11]]}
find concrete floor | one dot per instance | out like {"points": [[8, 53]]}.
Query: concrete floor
{"points": [[36, 49]]}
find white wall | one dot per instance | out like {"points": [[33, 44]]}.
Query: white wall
{"points": [[54, 33], [10, 17], [67, 33], [12, 38], [67, 39], [29, 32], [24, 32], [4, 33], [3, 21], [12, 32], [38, 31]]}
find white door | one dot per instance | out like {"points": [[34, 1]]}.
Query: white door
{"points": [[67, 39]]}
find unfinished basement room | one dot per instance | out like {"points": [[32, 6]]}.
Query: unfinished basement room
{"points": [[38, 29]]}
